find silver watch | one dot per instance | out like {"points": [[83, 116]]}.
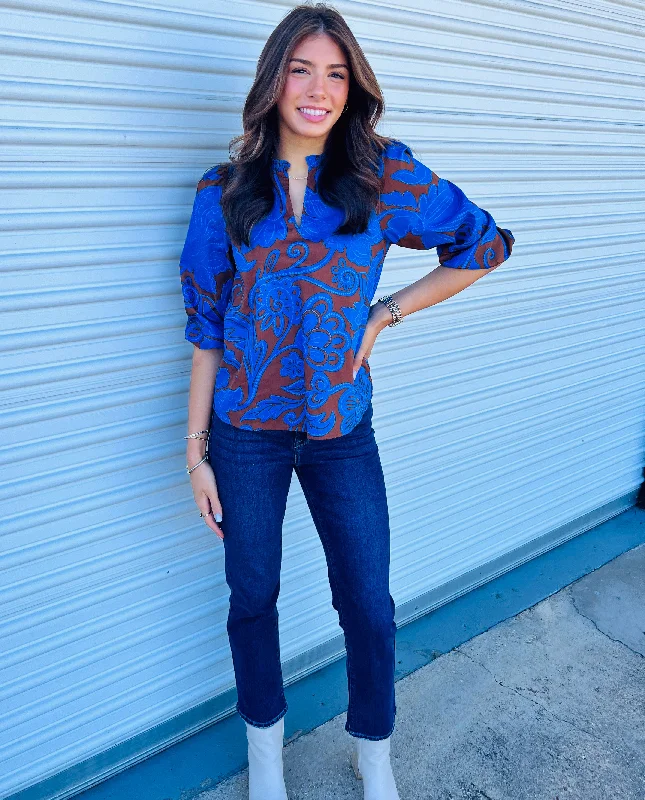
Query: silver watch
{"points": [[391, 303]]}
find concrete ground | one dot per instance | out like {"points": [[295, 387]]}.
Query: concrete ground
{"points": [[546, 705]]}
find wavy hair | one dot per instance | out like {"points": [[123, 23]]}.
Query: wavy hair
{"points": [[348, 170]]}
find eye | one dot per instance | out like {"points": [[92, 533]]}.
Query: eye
{"points": [[303, 69]]}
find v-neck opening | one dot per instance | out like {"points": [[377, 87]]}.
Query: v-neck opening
{"points": [[290, 209], [290, 212], [281, 166]]}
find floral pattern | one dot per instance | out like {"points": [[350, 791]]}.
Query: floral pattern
{"points": [[289, 310]]}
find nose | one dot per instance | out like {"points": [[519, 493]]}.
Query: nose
{"points": [[317, 86]]}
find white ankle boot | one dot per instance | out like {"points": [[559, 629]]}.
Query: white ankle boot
{"points": [[371, 762], [266, 781]]}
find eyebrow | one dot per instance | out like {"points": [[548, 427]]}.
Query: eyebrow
{"points": [[310, 64]]}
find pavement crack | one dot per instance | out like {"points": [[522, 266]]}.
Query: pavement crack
{"points": [[521, 694], [604, 633]]}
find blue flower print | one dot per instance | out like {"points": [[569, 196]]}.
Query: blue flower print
{"points": [[222, 377], [358, 249], [277, 304], [374, 275], [321, 388], [226, 400], [419, 175], [241, 263], [291, 308], [345, 277], [324, 337], [191, 295], [465, 230], [194, 332], [320, 219], [205, 311], [440, 211], [433, 220], [353, 401], [273, 407], [271, 228], [356, 315], [397, 151], [292, 365]]}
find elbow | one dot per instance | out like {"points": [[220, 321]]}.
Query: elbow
{"points": [[205, 356], [491, 254]]}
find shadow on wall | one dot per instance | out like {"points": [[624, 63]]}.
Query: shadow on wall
{"points": [[640, 497]]}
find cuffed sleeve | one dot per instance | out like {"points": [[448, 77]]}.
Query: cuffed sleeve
{"points": [[421, 211], [206, 267]]}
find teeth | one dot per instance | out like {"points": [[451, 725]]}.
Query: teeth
{"points": [[313, 111]]}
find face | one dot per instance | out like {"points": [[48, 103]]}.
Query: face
{"points": [[317, 81]]}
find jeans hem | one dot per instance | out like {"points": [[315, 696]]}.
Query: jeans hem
{"points": [[263, 724], [366, 736]]}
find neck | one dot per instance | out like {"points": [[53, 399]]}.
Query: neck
{"points": [[295, 149]]}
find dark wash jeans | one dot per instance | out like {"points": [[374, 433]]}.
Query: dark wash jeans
{"points": [[342, 480]]}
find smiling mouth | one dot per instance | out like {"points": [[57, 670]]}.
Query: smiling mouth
{"points": [[313, 113]]}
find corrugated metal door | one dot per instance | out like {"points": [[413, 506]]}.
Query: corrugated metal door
{"points": [[509, 416]]}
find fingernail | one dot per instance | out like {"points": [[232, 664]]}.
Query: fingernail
{"points": [[218, 517], [354, 374]]}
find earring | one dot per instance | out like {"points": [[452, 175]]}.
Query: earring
{"points": [[344, 108]]}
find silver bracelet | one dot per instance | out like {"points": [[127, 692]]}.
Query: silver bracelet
{"points": [[197, 435], [199, 463], [190, 469], [391, 303]]}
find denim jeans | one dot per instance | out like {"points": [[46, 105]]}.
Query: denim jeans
{"points": [[342, 481]]}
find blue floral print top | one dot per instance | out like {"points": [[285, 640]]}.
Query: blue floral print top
{"points": [[289, 311]]}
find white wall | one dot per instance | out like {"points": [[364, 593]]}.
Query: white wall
{"points": [[504, 415]]}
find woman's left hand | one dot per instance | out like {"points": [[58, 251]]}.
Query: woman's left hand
{"points": [[379, 317]]}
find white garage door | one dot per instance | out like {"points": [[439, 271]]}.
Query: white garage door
{"points": [[508, 417]]}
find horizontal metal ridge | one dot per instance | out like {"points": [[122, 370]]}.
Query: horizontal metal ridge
{"points": [[152, 511], [435, 443], [529, 521], [95, 591]]}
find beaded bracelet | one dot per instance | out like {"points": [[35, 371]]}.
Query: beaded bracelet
{"points": [[395, 311]]}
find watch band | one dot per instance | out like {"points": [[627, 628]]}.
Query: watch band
{"points": [[391, 303]]}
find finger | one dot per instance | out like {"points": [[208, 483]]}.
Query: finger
{"points": [[213, 526], [211, 509], [203, 503], [210, 522], [358, 361]]}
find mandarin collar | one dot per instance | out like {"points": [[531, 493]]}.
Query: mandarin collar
{"points": [[282, 165]]}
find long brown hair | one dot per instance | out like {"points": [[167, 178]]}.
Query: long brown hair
{"points": [[348, 170]]}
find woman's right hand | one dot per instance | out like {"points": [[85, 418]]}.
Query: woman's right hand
{"points": [[202, 480], [200, 409]]}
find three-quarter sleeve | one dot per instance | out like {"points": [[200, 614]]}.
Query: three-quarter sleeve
{"points": [[206, 266], [420, 210]]}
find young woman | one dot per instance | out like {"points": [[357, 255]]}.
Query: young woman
{"points": [[279, 269]]}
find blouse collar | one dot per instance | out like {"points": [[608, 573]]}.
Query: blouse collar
{"points": [[282, 165]]}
